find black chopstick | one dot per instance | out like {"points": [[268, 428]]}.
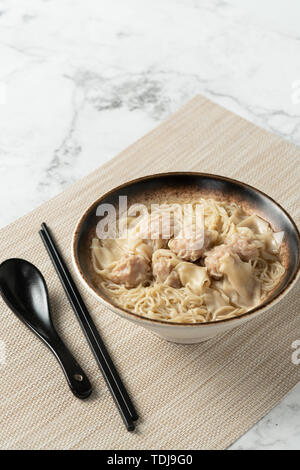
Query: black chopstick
{"points": [[110, 374], [104, 361]]}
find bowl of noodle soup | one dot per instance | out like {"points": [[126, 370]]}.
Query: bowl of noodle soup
{"points": [[187, 255]]}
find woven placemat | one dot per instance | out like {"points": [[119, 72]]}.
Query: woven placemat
{"points": [[189, 396]]}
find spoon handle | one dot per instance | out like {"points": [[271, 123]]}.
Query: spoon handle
{"points": [[76, 378]]}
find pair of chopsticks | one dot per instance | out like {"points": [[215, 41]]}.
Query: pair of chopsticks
{"points": [[105, 363]]}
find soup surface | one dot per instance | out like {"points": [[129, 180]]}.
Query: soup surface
{"points": [[201, 261]]}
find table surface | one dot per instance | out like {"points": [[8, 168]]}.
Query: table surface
{"points": [[75, 74]]}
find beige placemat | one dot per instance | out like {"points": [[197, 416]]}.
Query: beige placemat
{"points": [[189, 396]]}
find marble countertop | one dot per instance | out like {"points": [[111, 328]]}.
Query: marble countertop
{"points": [[74, 74]]}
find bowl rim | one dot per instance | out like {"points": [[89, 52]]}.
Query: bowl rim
{"points": [[134, 316]]}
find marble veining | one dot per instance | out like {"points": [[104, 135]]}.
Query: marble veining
{"points": [[80, 81]]}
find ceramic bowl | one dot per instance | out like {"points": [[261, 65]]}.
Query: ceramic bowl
{"points": [[156, 188]]}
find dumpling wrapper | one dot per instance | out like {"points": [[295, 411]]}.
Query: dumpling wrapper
{"points": [[193, 276], [239, 283], [256, 224], [107, 252], [218, 304], [261, 228]]}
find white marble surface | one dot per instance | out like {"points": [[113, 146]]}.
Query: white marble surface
{"points": [[74, 74]]}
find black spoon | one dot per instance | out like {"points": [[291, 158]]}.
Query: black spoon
{"points": [[24, 290]]}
